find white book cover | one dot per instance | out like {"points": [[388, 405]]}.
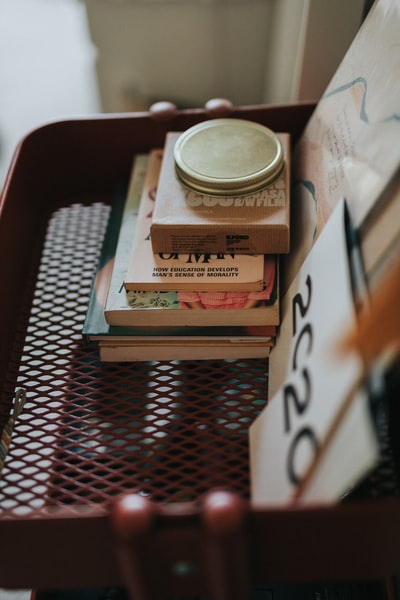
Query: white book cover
{"points": [[315, 396]]}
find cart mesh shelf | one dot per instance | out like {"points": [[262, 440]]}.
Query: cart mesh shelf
{"points": [[79, 435], [89, 430]]}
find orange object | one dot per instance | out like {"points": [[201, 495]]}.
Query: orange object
{"points": [[378, 326]]}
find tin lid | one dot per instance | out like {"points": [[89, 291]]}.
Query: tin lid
{"points": [[228, 157]]}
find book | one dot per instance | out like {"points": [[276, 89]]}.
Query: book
{"points": [[96, 329], [194, 309], [175, 343], [194, 271], [379, 233], [190, 309], [210, 349], [299, 444], [350, 145], [185, 220], [120, 227]]}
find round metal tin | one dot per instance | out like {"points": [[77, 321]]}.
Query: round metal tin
{"points": [[228, 157]]}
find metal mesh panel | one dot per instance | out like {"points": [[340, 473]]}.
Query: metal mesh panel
{"points": [[91, 430]]}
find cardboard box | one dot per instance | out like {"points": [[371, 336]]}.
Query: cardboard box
{"points": [[185, 220]]}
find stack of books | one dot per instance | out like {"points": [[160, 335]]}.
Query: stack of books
{"points": [[148, 304]]}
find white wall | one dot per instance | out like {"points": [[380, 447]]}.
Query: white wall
{"points": [[187, 51], [318, 34]]}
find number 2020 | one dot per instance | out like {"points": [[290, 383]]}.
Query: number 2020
{"points": [[294, 402]]}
